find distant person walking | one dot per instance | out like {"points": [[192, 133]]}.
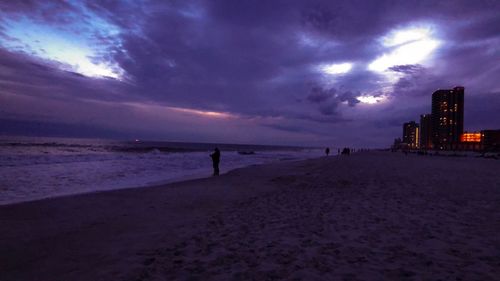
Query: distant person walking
{"points": [[215, 161], [327, 151]]}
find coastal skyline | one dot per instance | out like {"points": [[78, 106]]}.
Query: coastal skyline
{"points": [[443, 128], [333, 73]]}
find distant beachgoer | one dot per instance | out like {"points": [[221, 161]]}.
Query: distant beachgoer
{"points": [[327, 151], [215, 161]]}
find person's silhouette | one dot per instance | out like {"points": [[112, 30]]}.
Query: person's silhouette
{"points": [[215, 161], [327, 151]]}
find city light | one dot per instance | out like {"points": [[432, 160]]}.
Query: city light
{"points": [[470, 137]]}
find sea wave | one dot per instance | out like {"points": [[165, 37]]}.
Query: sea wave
{"points": [[40, 169]]}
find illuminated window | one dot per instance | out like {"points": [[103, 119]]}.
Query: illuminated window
{"points": [[470, 137]]}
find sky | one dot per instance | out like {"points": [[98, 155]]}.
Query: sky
{"points": [[311, 73]]}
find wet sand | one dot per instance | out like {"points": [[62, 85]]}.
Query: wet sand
{"points": [[368, 216]]}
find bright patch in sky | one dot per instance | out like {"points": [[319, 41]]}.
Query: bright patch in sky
{"points": [[407, 35], [75, 52], [411, 46], [337, 68], [370, 99]]}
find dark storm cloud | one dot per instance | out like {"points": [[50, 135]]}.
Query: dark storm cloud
{"points": [[329, 99], [52, 12], [485, 27], [260, 61], [407, 68], [319, 95], [417, 81]]}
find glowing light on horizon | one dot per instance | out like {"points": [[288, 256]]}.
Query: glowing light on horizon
{"points": [[339, 68], [159, 108], [202, 112], [412, 46]]}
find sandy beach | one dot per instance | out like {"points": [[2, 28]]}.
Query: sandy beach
{"points": [[367, 216]]}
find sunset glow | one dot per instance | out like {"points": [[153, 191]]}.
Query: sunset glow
{"points": [[212, 114]]}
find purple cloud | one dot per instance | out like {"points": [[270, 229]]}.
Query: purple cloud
{"points": [[259, 63]]}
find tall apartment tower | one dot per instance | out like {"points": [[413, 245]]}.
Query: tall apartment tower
{"points": [[426, 131], [411, 134], [447, 117]]}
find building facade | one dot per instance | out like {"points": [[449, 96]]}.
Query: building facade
{"points": [[472, 141], [447, 118], [486, 141], [426, 131], [491, 140], [411, 135]]}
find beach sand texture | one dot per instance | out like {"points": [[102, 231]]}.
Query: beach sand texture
{"points": [[368, 216]]}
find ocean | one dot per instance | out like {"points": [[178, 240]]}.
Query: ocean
{"points": [[36, 168]]}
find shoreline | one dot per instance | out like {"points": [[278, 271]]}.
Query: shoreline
{"points": [[39, 174], [365, 216], [163, 183], [198, 176], [41, 235]]}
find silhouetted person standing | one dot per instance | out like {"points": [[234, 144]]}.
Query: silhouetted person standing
{"points": [[327, 151], [215, 161]]}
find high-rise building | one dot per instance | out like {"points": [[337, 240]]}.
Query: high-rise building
{"points": [[411, 134], [426, 131], [447, 117]]}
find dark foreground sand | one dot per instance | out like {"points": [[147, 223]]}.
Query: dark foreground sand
{"points": [[369, 216]]}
